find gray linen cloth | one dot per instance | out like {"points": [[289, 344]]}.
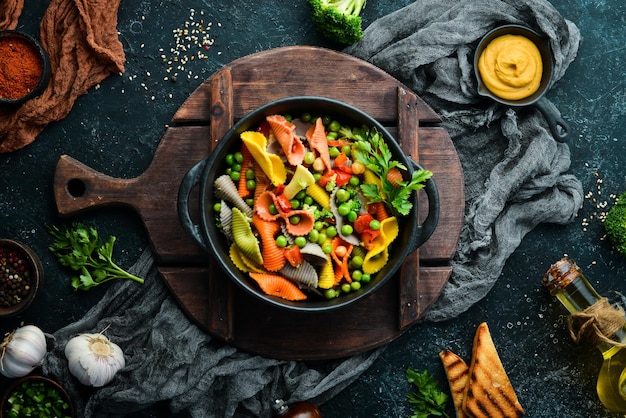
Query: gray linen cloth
{"points": [[515, 179]]}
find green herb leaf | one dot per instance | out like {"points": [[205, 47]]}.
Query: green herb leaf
{"points": [[81, 249], [427, 400], [371, 150]]}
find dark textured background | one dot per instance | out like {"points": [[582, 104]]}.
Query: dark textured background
{"points": [[116, 128]]}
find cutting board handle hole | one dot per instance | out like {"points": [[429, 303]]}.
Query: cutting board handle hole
{"points": [[76, 187]]}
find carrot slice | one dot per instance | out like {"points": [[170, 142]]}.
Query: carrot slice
{"points": [[275, 285], [245, 165]]}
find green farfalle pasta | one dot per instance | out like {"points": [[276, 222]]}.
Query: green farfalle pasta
{"points": [[244, 237]]}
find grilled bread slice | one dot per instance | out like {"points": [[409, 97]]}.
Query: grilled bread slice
{"points": [[489, 392], [457, 372]]}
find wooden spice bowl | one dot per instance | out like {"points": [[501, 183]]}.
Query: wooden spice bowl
{"points": [[17, 293], [60, 402], [24, 68]]}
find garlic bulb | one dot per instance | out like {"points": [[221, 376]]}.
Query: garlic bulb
{"points": [[93, 359], [22, 351]]}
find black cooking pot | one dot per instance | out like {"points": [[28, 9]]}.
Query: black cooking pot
{"points": [[208, 236], [557, 124]]}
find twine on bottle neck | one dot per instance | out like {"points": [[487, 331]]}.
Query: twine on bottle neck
{"points": [[597, 323]]}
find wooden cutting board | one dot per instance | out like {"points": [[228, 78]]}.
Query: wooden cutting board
{"points": [[203, 291]]}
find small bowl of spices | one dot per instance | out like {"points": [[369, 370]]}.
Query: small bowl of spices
{"points": [[24, 68], [21, 277], [36, 396]]}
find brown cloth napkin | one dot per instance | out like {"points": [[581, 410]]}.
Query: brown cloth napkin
{"points": [[81, 39]]}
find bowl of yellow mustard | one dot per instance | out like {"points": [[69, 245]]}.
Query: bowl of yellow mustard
{"points": [[513, 66]]}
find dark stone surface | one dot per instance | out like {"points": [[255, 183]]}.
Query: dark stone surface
{"points": [[116, 128]]}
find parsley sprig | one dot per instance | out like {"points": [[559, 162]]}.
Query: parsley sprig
{"points": [[371, 150], [427, 400], [81, 249]]}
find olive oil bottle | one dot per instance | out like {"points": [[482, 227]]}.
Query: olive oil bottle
{"points": [[566, 281]]}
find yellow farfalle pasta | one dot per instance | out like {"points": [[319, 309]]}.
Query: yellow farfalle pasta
{"points": [[271, 164], [377, 257]]}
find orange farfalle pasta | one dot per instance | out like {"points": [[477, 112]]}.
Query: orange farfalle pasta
{"points": [[285, 133], [275, 285], [316, 136], [306, 219], [273, 256]]}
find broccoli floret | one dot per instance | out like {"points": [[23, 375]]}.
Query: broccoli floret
{"points": [[615, 225], [338, 20]]}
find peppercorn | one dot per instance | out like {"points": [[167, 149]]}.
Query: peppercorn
{"points": [[15, 277]]}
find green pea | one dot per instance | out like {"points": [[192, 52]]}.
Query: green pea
{"points": [[314, 235], [326, 120], [321, 239], [250, 184], [354, 181], [334, 152], [281, 241], [365, 278], [355, 285], [330, 293], [305, 117], [346, 149], [374, 225], [319, 225], [344, 209], [346, 288], [300, 241], [352, 216], [239, 157], [295, 204], [309, 157], [331, 231], [331, 136], [301, 195], [357, 261], [294, 220], [217, 206], [250, 174], [334, 126], [347, 229], [237, 167], [327, 249], [230, 159], [342, 195], [229, 170], [308, 200], [250, 202], [317, 176], [356, 275], [235, 176], [288, 117], [272, 209]]}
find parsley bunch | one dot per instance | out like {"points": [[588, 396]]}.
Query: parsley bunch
{"points": [[427, 400], [81, 249], [371, 150]]}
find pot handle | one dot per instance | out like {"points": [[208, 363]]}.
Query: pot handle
{"points": [[426, 229], [191, 179], [557, 124]]}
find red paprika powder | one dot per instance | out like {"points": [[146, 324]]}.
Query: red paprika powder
{"points": [[21, 67]]}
